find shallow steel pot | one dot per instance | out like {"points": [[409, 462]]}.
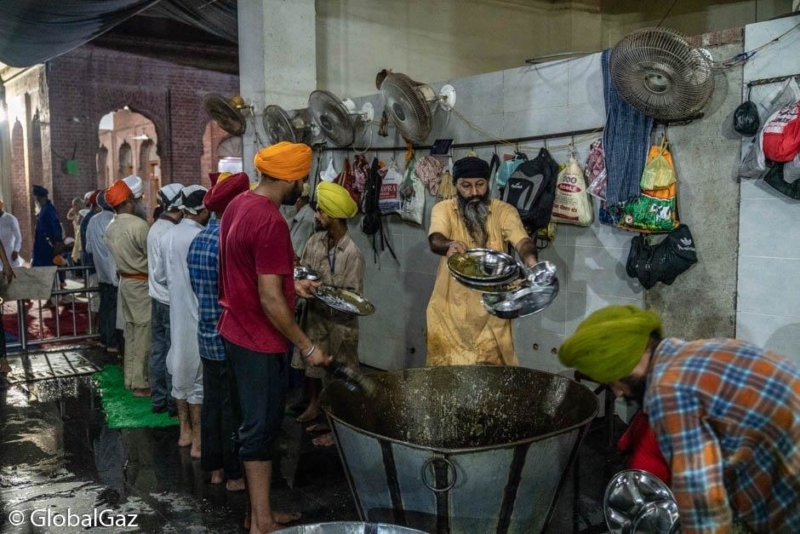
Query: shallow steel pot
{"points": [[637, 501], [350, 527], [460, 449]]}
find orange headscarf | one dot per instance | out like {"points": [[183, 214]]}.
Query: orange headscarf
{"points": [[118, 193], [284, 161]]}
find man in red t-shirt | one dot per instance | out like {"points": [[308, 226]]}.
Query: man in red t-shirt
{"points": [[257, 294]]}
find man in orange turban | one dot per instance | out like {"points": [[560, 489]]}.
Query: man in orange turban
{"points": [[126, 238], [257, 295], [284, 161], [118, 193]]}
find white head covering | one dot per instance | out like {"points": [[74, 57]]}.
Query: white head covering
{"points": [[192, 199], [87, 196], [170, 195], [135, 184]]}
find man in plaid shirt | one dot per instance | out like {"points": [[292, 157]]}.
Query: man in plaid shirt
{"points": [[218, 420], [726, 414]]}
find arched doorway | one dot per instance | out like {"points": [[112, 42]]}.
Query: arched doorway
{"points": [[132, 148]]}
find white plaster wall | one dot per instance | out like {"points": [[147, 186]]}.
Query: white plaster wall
{"points": [[442, 39], [768, 309], [552, 98]]}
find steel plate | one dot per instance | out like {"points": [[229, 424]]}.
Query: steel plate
{"points": [[344, 300]]}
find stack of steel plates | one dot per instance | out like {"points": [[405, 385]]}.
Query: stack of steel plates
{"points": [[538, 289]]}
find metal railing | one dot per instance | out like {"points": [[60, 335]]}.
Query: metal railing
{"points": [[60, 297]]}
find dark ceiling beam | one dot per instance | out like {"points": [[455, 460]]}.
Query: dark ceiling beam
{"points": [[217, 58]]}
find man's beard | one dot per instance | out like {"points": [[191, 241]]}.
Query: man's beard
{"points": [[474, 211], [638, 387], [293, 196], [138, 210]]}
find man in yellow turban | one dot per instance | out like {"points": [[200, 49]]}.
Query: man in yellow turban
{"points": [[726, 415], [340, 263]]}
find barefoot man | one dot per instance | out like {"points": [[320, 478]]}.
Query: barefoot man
{"points": [[257, 293]]}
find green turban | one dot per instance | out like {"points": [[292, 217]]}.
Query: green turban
{"points": [[609, 343]]}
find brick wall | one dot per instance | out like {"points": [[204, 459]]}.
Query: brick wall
{"points": [[74, 91]]}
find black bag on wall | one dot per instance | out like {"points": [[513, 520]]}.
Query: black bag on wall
{"points": [[663, 262], [532, 190]]}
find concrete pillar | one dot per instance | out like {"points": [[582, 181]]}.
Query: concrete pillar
{"points": [[277, 61]]}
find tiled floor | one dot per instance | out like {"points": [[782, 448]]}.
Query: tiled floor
{"points": [[56, 453]]}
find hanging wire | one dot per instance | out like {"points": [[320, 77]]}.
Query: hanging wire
{"points": [[371, 137], [667, 13], [743, 57], [519, 147]]}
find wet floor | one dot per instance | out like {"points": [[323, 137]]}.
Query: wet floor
{"points": [[56, 453]]}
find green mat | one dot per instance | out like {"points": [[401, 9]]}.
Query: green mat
{"points": [[123, 410]]}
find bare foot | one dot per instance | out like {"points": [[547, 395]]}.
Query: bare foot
{"points": [[326, 440], [284, 518], [235, 485], [185, 440], [195, 452], [217, 477], [318, 427], [141, 392], [311, 413]]}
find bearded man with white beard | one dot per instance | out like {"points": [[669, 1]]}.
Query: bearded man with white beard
{"points": [[460, 331]]}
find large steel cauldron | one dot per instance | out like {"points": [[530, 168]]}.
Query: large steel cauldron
{"points": [[348, 528], [462, 449]]}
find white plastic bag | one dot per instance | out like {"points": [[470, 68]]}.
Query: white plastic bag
{"points": [[572, 204], [753, 163], [389, 197], [329, 174], [412, 206]]}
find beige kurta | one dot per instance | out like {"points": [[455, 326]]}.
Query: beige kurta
{"points": [[335, 333], [460, 331], [126, 238]]}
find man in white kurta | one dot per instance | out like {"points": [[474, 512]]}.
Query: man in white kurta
{"points": [[160, 380], [10, 236], [183, 359]]}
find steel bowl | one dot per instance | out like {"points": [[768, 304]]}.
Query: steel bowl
{"points": [[305, 273], [492, 266], [541, 274], [638, 501]]}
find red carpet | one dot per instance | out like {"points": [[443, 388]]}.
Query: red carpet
{"points": [[46, 327]]}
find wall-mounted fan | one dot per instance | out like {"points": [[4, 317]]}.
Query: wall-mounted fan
{"points": [[281, 125], [336, 118], [411, 104], [659, 73], [229, 114]]}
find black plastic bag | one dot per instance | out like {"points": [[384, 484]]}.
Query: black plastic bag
{"points": [[663, 262], [745, 119]]}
